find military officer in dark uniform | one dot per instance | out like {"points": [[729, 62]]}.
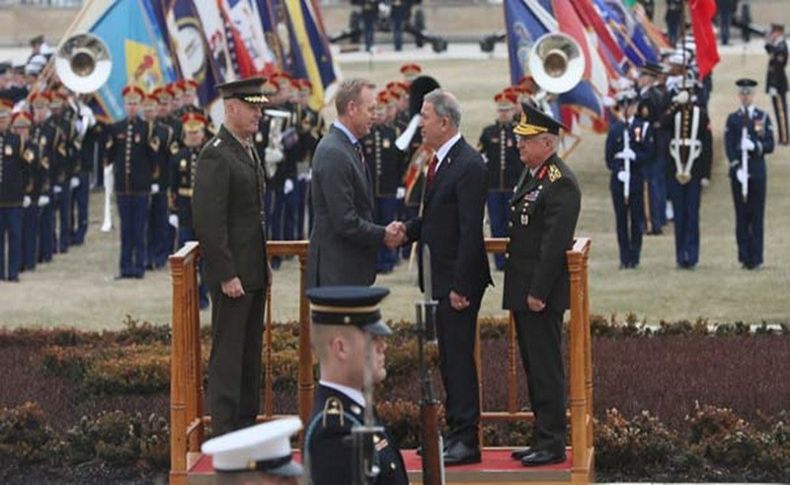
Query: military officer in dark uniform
{"points": [[688, 168], [776, 82], [86, 143], [498, 145], [42, 134], [673, 17], [630, 145], [398, 15], [370, 12], [129, 150], [63, 157], [653, 103], [182, 185], [311, 128], [35, 177], [344, 320], [229, 221], [543, 213], [13, 174], [385, 165], [748, 138]]}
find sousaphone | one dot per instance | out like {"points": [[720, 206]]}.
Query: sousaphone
{"points": [[83, 63], [556, 62]]}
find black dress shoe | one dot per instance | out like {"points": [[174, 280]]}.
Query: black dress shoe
{"points": [[519, 454], [542, 457], [459, 453]]}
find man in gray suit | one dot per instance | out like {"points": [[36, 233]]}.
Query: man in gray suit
{"points": [[345, 240]]}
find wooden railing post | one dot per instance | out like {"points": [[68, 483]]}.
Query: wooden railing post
{"points": [[306, 382]]}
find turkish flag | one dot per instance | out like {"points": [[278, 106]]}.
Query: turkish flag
{"points": [[702, 13]]}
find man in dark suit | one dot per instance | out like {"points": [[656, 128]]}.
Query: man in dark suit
{"points": [[543, 213], [346, 325], [451, 224], [228, 218], [345, 238]]}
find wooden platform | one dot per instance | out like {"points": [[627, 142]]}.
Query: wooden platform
{"points": [[497, 467]]}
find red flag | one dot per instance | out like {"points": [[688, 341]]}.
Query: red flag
{"points": [[702, 12]]}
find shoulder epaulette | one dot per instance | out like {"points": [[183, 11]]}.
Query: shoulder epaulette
{"points": [[554, 173]]}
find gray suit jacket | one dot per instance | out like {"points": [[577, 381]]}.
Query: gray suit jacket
{"points": [[345, 239]]}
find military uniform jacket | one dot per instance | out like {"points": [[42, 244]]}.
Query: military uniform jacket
{"points": [[543, 214], [498, 146], [62, 165], [641, 141], [42, 137], [679, 119], [384, 160], [132, 156], [13, 171], [311, 129], [228, 214], [777, 61], [452, 225], [328, 447], [163, 146], [182, 183], [758, 126]]}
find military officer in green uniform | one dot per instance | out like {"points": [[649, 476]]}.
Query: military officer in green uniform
{"points": [[229, 221], [543, 213]]}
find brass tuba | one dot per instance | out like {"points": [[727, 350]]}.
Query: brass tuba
{"points": [[556, 62], [83, 63]]}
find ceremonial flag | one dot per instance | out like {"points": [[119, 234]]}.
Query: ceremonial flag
{"points": [[632, 38], [608, 48], [702, 13]]}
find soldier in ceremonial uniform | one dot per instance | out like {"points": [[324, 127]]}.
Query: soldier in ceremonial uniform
{"points": [[229, 221], [86, 144], [370, 12], [182, 185], [776, 82], [543, 213], [42, 134], [385, 165], [130, 151], [748, 138], [653, 103], [341, 318], [35, 177], [63, 169], [311, 127], [14, 166], [410, 71], [498, 146], [630, 145], [398, 15], [688, 169], [673, 17]]}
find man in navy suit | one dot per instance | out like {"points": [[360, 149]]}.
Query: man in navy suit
{"points": [[451, 224]]}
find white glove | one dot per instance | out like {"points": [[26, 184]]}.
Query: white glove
{"points": [[309, 175], [273, 155], [741, 175], [108, 177], [74, 183], [26, 201], [626, 154], [682, 97], [772, 91], [622, 176], [154, 188], [747, 144], [400, 193], [173, 220], [288, 186], [57, 189], [43, 200], [705, 181]]}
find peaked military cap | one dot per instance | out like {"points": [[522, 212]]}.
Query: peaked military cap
{"points": [[746, 85], [249, 90], [652, 69], [349, 305], [534, 122]]}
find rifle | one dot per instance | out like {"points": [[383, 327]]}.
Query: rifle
{"points": [[432, 449], [743, 173], [364, 468]]}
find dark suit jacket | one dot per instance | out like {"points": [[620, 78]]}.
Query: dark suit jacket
{"points": [[227, 204], [543, 214], [452, 224], [330, 450], [345, 239]]}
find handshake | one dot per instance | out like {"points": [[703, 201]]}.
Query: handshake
{"points": [[395, 234]]}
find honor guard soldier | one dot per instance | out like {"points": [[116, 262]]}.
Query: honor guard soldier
{"points": [[347, 325], [653, 103], [776, 82], [166, 113], [36, 176], [63, 168], [673, 17], [498, 145], [385, 165], [129, 150], [398, 15], [86, 144], [269, 151], [14, 168], [370, 12], [410, 71], [42, 134], [688, 168], [311, 127], [748, 138], [544, 210], [630, 145], [183, 183], [258, 455]]}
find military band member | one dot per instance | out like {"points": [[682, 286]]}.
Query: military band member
{"points": [[14, 168], [776, 82], [182, 185], [63, 164], [653, 103], [86, 144], [341, 318], [498, 145], [410, 71], [748, 138], [36, 176], [688, 169], [630, 145], [129, 150], [42, 134]]}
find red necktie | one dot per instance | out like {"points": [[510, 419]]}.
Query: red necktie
{"points": [[432, 169]]}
